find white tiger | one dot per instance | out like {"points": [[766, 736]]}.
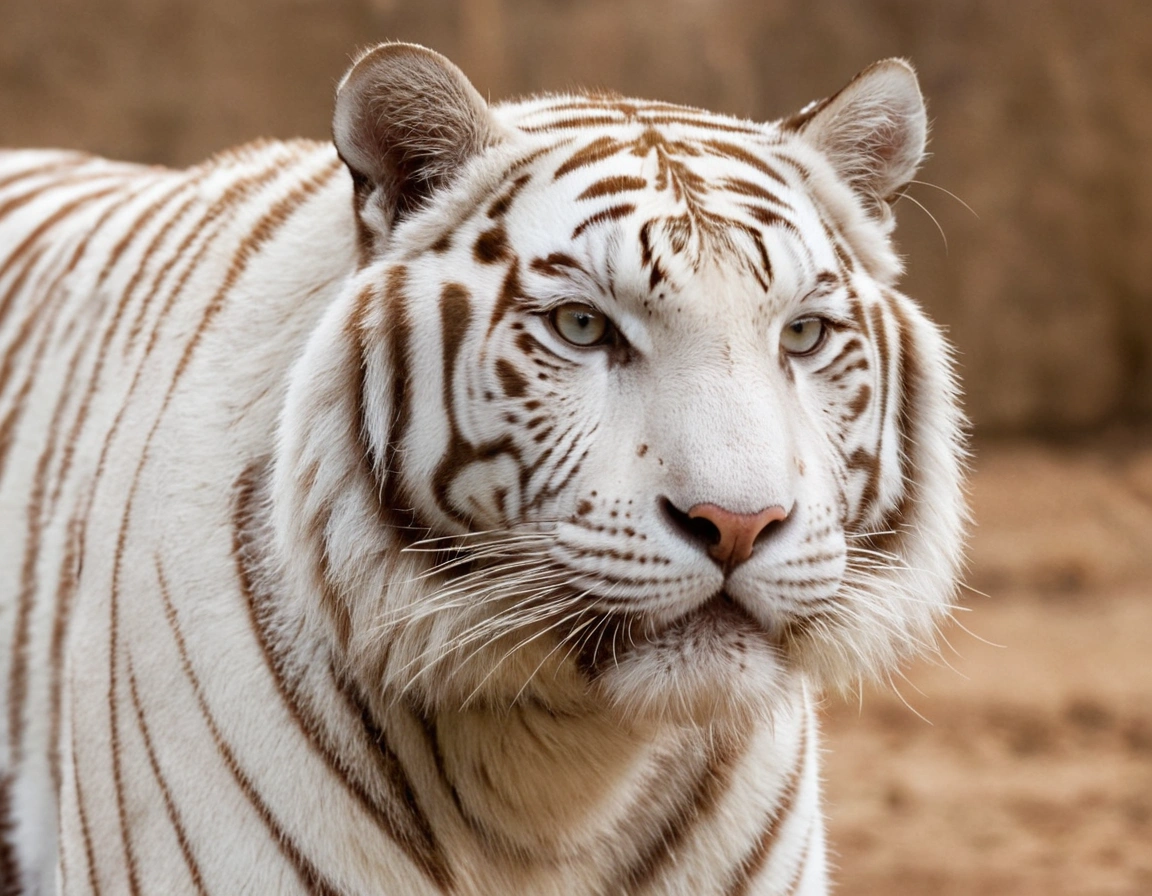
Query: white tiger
{"points": [[475, 507]]}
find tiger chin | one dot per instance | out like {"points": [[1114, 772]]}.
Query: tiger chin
{"points": [[477, 504]]}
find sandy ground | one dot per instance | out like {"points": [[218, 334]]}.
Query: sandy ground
{"points": [[1031, 772]]}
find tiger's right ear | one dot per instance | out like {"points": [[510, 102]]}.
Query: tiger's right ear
{"points": [[406, 120]]}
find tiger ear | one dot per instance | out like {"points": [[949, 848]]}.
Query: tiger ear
{"points": [[873, 131], [406, 120]]}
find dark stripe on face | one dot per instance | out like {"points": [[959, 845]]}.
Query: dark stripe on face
{"points": [[752, 190], [705, 124], [511, 379], [610, 186], [510, 291], [557, 264], [309, 875], [612, 213], [500, 206], [574, 123], [455, 318], [908, 391], [491, 246], [169, 804], [728, 150], [756, 859], [596, 151], [399, 336]]}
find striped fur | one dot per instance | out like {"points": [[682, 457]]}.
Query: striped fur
{"points": [[332, 566]]}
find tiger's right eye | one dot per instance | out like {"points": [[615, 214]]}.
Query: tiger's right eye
{"points": [[580, 324]]}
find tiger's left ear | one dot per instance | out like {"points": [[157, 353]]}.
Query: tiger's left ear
{"points": [[406, 121], [873, 131]]}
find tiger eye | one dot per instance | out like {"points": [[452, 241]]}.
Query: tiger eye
{"points": [[803, 335], [580, 324]]}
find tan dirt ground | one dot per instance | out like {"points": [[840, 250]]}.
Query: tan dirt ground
{"points": [[1033, 772]]}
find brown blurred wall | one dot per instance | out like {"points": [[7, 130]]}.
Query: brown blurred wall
{"points": [[1042, 118]]}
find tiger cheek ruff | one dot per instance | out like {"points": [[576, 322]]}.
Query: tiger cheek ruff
{"points": [[477, 505]]}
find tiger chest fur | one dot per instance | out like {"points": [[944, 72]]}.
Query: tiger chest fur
{"points": [[475, 508]]}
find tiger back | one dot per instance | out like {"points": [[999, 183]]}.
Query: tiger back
{"points": [[477, 506]]}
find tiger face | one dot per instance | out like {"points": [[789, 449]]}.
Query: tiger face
{"points": [[637, 417]]}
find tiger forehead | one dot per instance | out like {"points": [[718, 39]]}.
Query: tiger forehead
{"points": [[694, 186]]}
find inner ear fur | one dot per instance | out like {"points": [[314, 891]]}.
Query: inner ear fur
{"points": [[874, 131], [406, 120]]}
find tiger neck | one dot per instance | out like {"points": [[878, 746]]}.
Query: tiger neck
{"points": [[589, 793], [537, 783]]}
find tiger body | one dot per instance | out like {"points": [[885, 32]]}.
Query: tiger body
{"points": [[334, 559]]}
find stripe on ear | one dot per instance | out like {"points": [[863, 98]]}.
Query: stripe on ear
{"points": [[406, 120], [873, 131]]}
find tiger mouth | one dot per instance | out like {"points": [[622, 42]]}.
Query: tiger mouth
{"points": [[721, 615], [720, 620]]}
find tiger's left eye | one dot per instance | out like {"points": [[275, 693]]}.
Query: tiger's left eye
{"points": [[580, 324], [803, 335]]}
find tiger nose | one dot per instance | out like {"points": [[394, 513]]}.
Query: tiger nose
{"points": [[734, 533]]}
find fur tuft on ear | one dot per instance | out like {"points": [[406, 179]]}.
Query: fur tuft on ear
{"points": [[406, 120], [873, 131]]}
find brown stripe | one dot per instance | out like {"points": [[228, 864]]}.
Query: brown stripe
{"points": [[398, 326], [910, 385], [308, 873], [597, 150], [455, 318], [68, 581], [73, 160], [236, 193], [740, 154], [511, 379], [9, 866], [611, 213], [609, 186], [574, 123], [113, 697], [82, 814], [34, 193], [557, 264], [705, 124], [491, 246], [169, 804], [872, 485], [754, 862], [710, 786], [501, 204]]}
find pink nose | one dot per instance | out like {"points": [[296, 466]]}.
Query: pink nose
{"points": [[738, 531]]}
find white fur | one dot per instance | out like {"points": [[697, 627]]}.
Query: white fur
{"points": [[241, 396]]}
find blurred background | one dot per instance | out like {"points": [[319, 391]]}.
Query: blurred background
{"points": [[1033, 773]]}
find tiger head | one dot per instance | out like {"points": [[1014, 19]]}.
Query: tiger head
{"points": [[621, 409]]}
